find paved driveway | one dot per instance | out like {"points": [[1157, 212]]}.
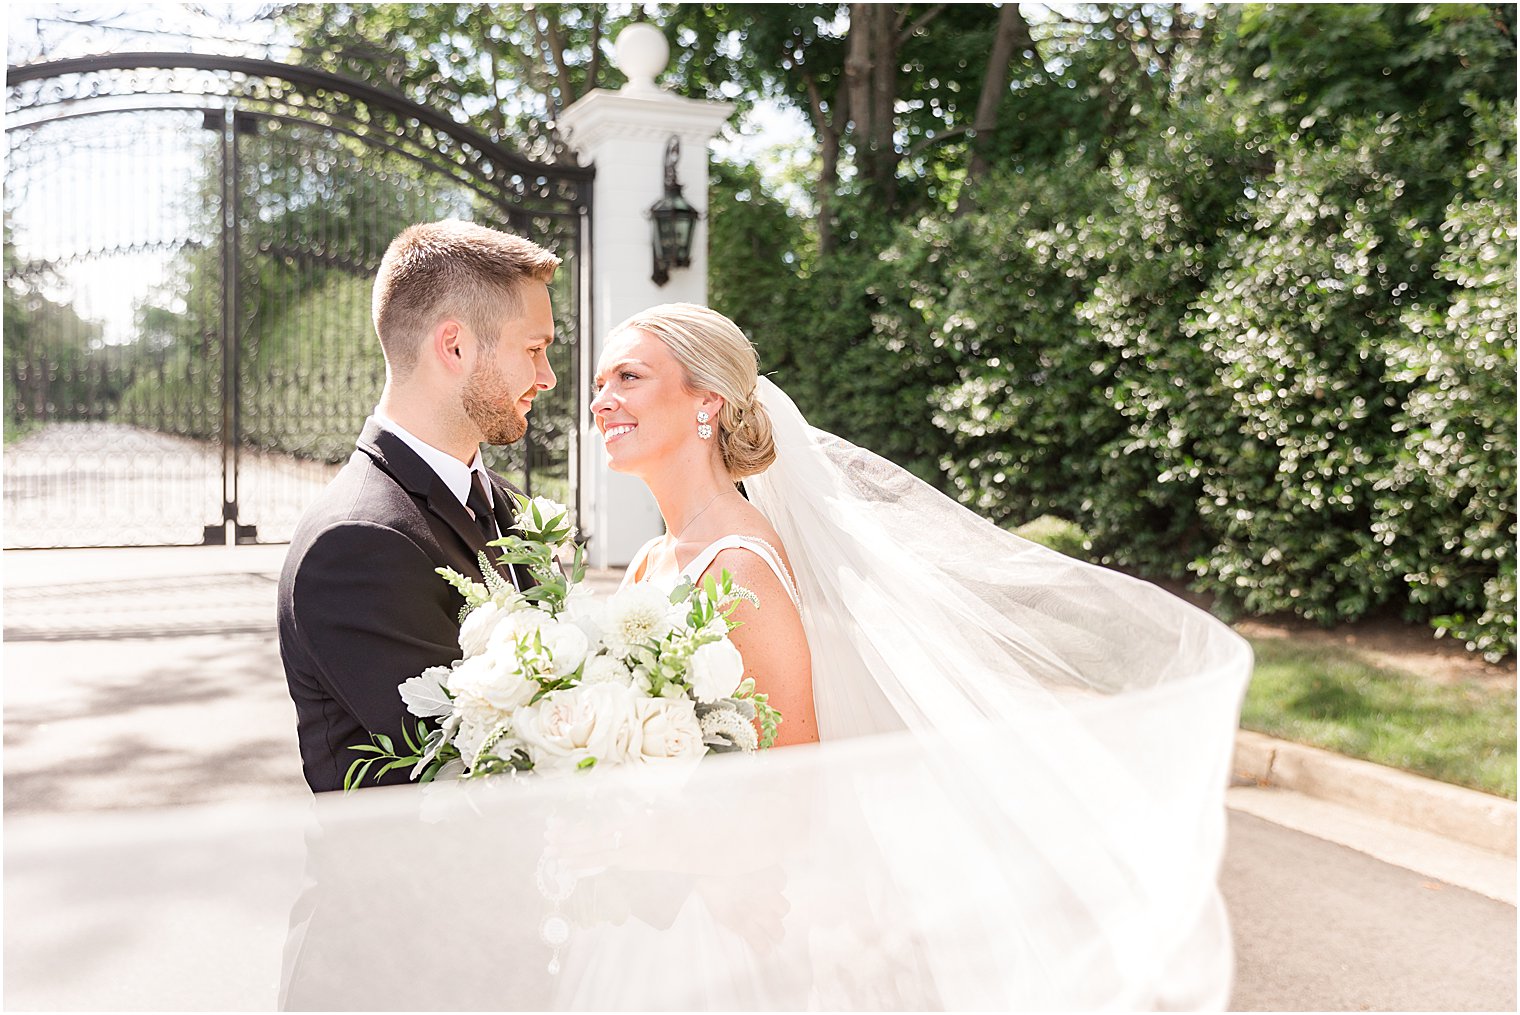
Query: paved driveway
{"points": [[110, 484], [137, 678]]}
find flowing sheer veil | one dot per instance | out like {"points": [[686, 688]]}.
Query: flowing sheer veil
{"points": [[1083, 712], [923, 615], [1038, 825]]}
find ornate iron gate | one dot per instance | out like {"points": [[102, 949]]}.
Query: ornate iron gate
{"points": [[189, 246]]}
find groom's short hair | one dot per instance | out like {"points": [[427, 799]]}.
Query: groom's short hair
{"points": [[451, 269]]}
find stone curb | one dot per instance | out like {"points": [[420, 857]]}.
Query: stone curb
{"points": [[1466, 815]]}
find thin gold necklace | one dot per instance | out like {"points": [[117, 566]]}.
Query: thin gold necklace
{"points": [[693, 518]]}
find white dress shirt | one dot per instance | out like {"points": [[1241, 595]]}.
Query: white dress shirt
{"points": [[454, 473]]}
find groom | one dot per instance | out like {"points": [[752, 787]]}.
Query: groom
{"points": [[464, 321]]}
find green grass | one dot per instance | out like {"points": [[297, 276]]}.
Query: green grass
{"points": [[1329, 697], [1058, 534]]}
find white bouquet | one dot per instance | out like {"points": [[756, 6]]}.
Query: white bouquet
{"points": [[555, 678]]}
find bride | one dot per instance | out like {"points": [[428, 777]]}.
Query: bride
{"points": [[676, 404], [1049, 834]]}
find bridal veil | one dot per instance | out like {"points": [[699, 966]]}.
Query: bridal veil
{"points": [[1018, 806]]}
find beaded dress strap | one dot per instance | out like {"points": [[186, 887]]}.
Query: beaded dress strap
{"points": [[754, 544]]}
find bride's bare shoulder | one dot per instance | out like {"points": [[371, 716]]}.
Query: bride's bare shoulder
{"points": [[754, 525]]}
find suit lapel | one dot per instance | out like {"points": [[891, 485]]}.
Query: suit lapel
{"points": [[417, 478], [442, 502], [503, 506]]}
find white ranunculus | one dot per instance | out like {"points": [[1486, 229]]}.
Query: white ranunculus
{"points": [[636, 614], [566, 645], [715, 670], [424, 694], [668, 730], [475, 633], [606, 670], [564, 728], [496, 679]]}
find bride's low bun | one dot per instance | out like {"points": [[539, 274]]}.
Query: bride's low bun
{"points": [[718, 358], [748, 445]]}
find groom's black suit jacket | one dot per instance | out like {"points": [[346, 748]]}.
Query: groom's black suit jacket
{"points": [[361, 608]]}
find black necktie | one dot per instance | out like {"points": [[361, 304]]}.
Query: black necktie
{"points": [[477, 503]]}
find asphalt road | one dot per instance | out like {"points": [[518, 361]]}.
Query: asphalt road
{"points": [[137, 679], [1319, 927]]}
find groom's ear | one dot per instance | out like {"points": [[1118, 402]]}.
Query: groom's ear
{"points": [[447, 343]]}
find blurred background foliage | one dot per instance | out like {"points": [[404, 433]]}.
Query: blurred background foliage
{"points": [[1231, 288]]}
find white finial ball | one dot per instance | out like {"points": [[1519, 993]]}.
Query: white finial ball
{"points": [[641, 53]]}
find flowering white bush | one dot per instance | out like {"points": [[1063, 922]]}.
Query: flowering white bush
{"points": [[556, 679]]}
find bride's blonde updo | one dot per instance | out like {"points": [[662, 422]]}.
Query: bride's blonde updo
{"points": [[716, 357]]}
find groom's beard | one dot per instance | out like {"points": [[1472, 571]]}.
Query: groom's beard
{"points": [[493, 408]]}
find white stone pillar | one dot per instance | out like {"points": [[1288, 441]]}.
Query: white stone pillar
{"points": [[624, 134]]}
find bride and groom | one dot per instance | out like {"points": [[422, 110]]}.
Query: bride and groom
{"points": [[464, 320], [1065, 730]]}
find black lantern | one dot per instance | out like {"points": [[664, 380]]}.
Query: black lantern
{"points": [[673, 221]]}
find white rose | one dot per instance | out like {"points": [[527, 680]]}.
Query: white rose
{"points": [[715, 670], [566, 645], [541, 516], [668, 730], [636, 614], [512, 628], [496, 679], [566, 727], [606, 670], [475, 633]]}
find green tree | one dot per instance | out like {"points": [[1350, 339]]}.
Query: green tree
{"points": [[507, 69], [54, 359]]}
